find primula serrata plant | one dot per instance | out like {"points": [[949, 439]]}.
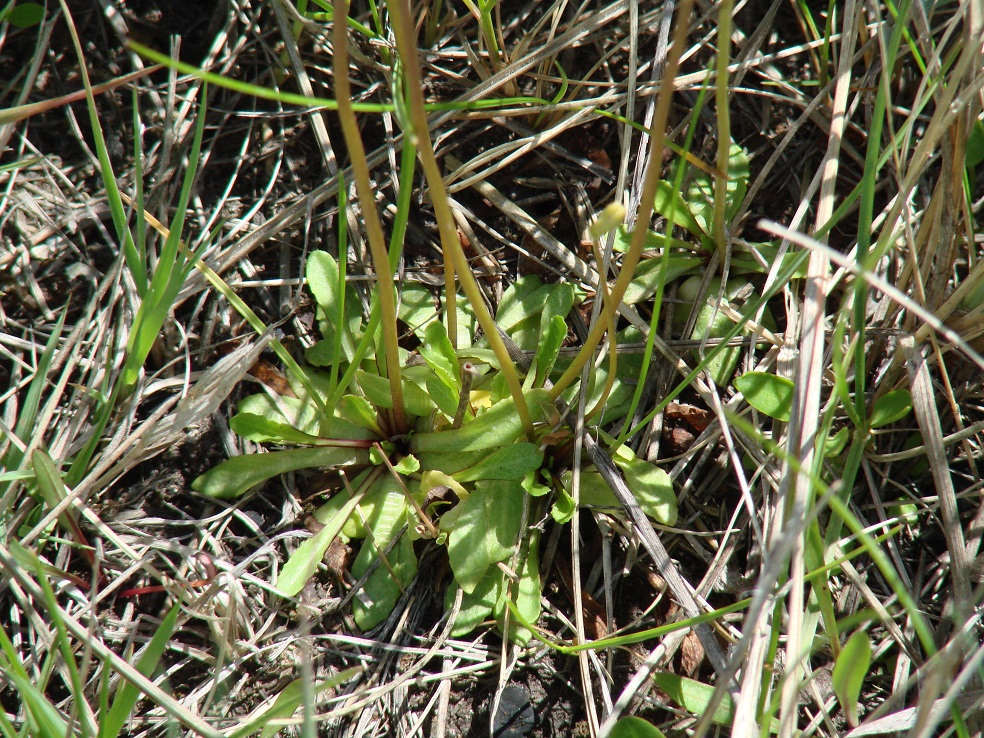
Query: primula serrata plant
{"points": [[464, 474], [464, 442]]}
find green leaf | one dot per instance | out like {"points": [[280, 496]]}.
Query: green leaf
{"points": [[497, 426], [359, 411], [263, 430], [525, 595], [407, 465], [769, 394], [321, 273], [302, 564], [518, 302], [633, 727], [418, 307], [301, 415], [476, 607], [377, 390], [835, 443], [650, 485], [511, 462], [24, 15], [558, 303], [173, 264], [441, 358], [738, 173], [743, 261], [890, 407], [700, 194], [387, 520], [450, 462], [486, 529], [532, 486], [660, 241], [52, 488], [714, 323], [849, 673], [694, 696], [235, 476], [527, 307], [43, 719], [443, 395], [564, 508], [111, 724], [671, 205], [974, 152], [645, 279], [549, 348]]}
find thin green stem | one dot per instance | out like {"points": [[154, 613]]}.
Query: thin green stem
{"points": [[646, 203], [681, 170], [374, 229], [872, 165], [419, 135], [723, 127]]}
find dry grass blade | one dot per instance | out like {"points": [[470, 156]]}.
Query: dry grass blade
{"points": [[924, 406]]}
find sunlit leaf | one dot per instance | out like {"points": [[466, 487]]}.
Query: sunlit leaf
{"points": [[497, 426], [633, 727], [651, 487], [671, 205], [359, 411], [509, 462], [388, 520], [485, 531], [235, 476], [695, 698], [549, 348], [890, 407], [528, 306], [321, 273], [440, 356], [850, 671], [263, 430], [302, 564], [443, 395], [377, 391], [770, 394]]}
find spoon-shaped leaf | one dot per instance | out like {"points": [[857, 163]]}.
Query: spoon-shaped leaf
{"points": [[235, 476]]}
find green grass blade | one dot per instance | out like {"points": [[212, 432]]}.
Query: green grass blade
{"points": [[172, 269], [115, 202], [43, 718], [111, 724], [26, 420]]}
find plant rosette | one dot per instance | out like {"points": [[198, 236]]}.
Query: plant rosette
{"points": [[464, 475]]}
